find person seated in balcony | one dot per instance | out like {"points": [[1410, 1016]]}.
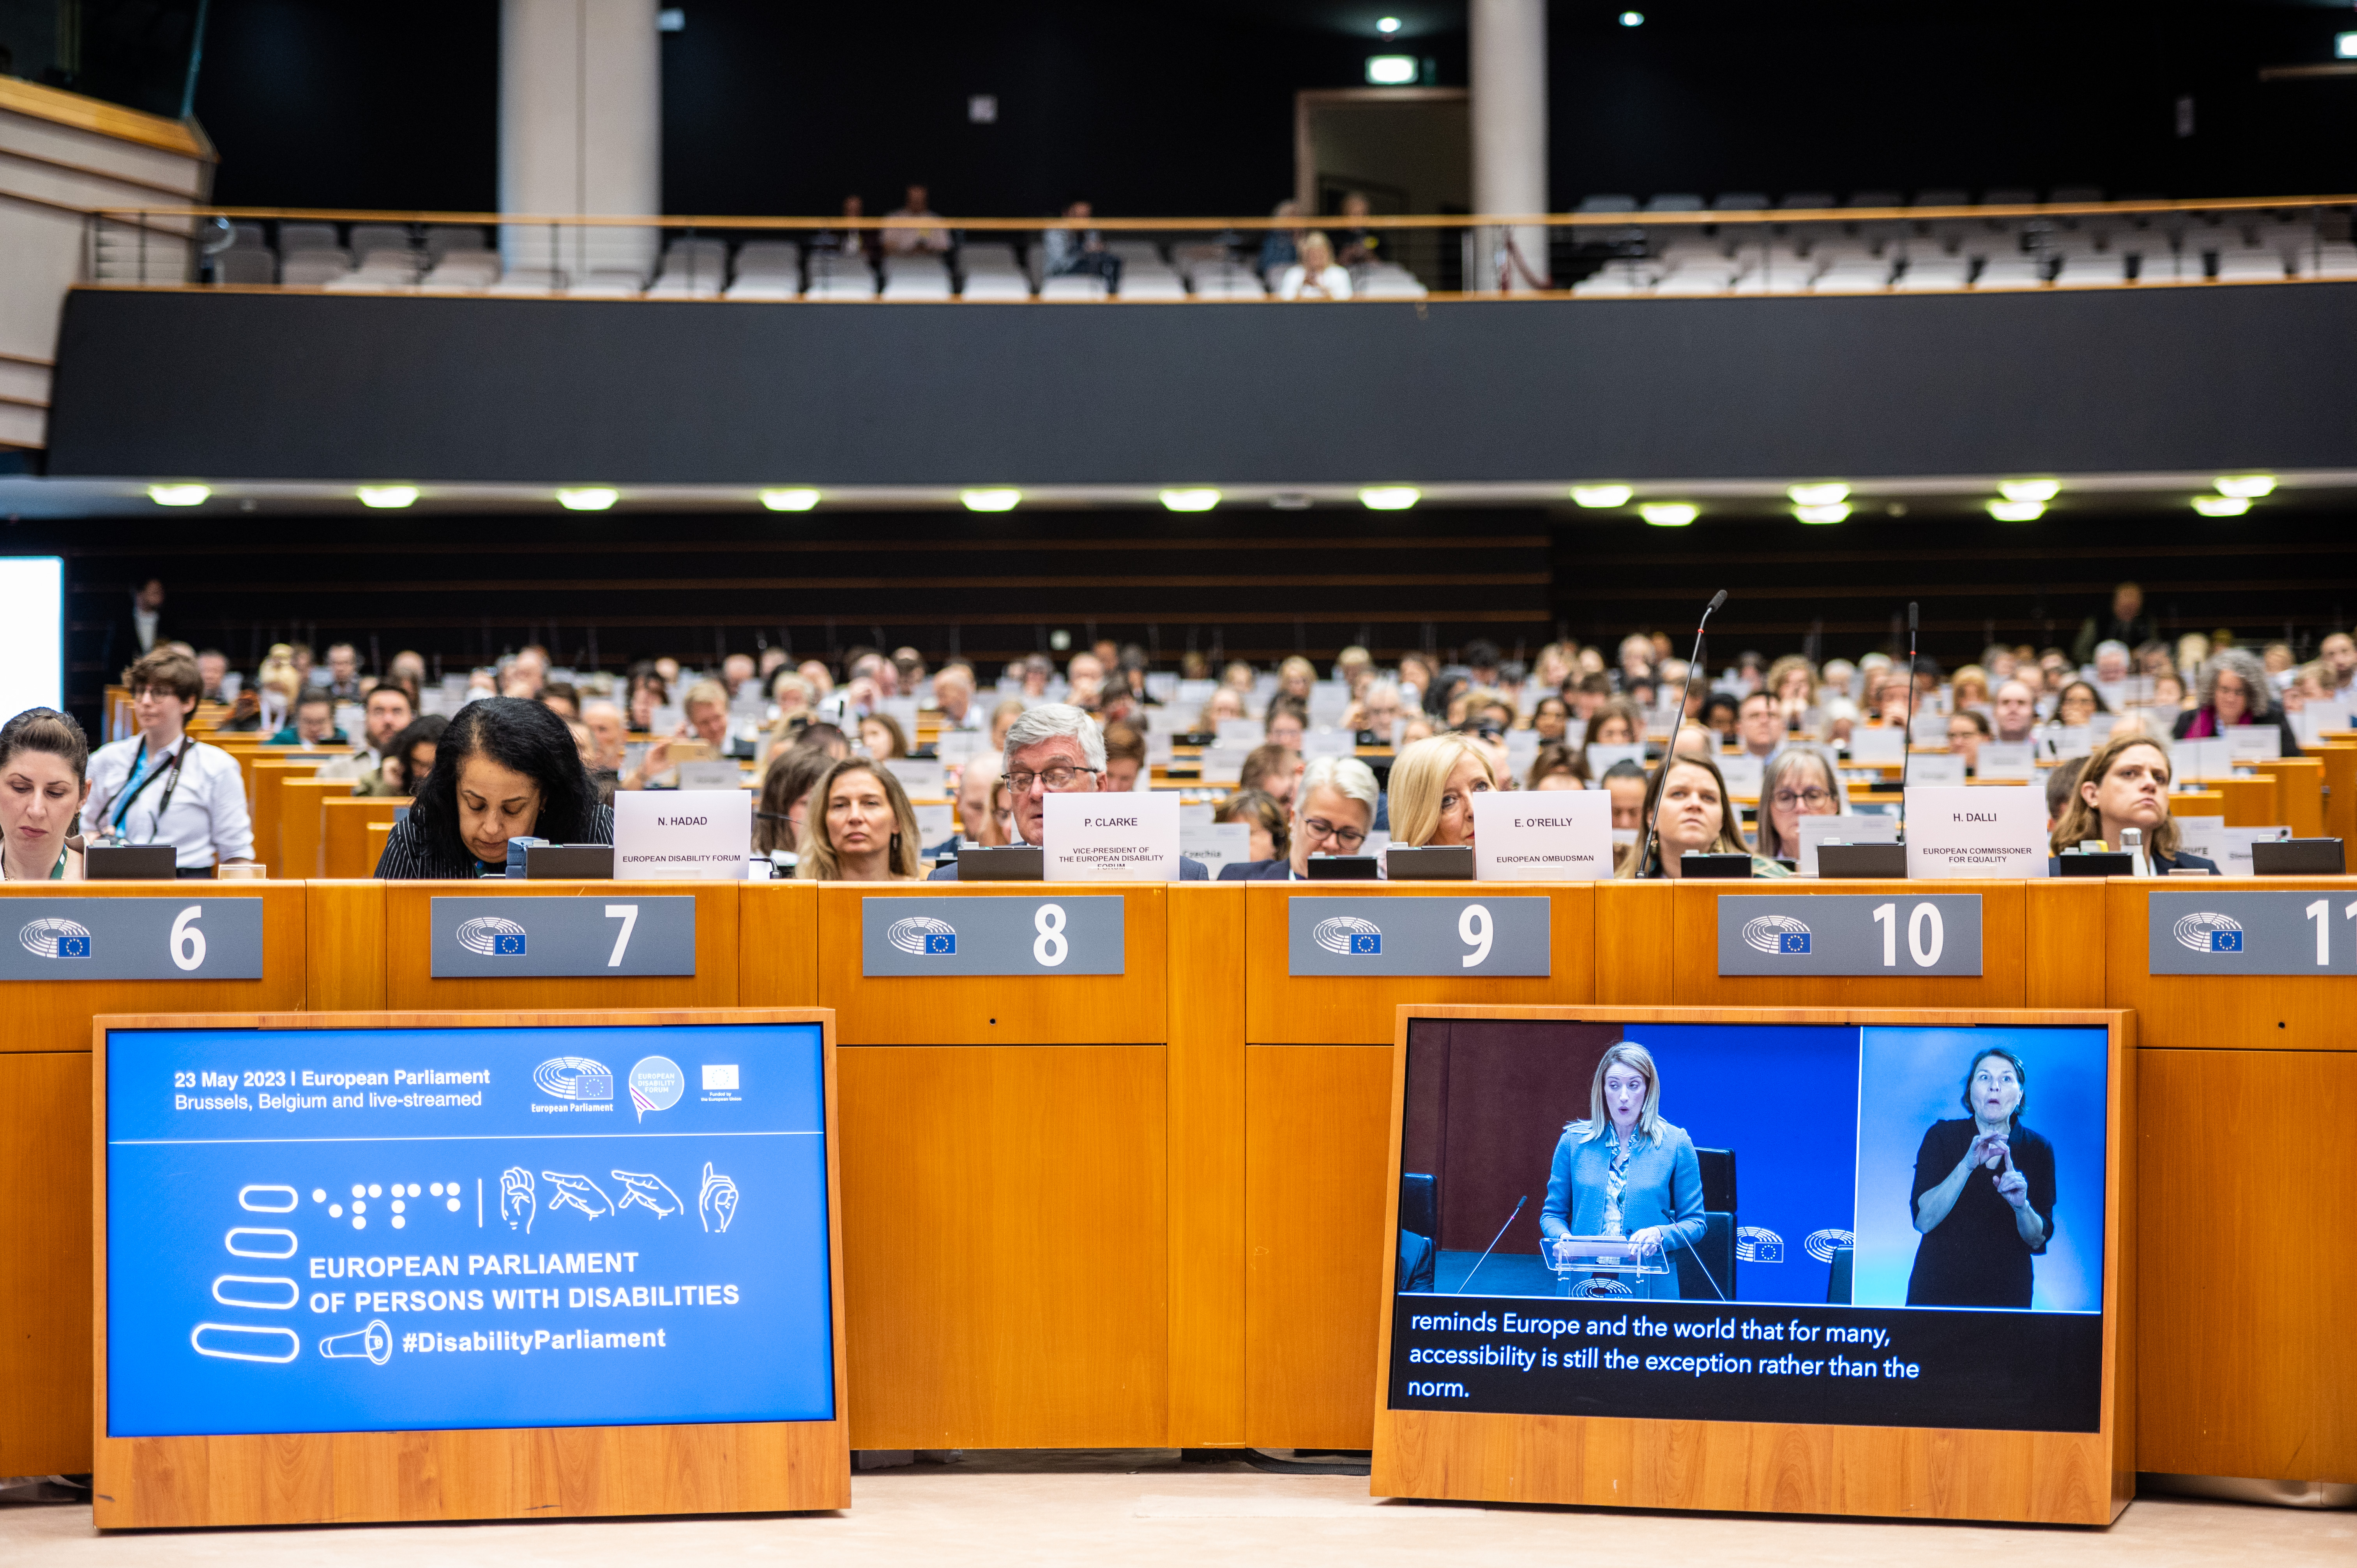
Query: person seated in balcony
{"points": [[908, 240], [1362, 247], [1280, 248], [1315, 276], [1078, 251]]}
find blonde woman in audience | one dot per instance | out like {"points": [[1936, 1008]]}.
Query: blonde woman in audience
{"points": [[1354, 667], [1793, 683], [1315, 276], [1968, 687], [1294, 678], [1798, 783], [1431, 788], [1001, 716], [1416, 727], [1694, 817], [1226, 703], [1238, 674], [859, 827], [882, 736], [818, 677]]}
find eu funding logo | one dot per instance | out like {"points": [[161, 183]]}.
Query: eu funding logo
{"points": [[1348, 936], [55, 937], [573, 1078], [923, 937], [491, 937], [2206, 932], [1777, 934]]}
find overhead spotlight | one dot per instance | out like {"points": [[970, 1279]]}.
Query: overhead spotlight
{"points": [[1389, 498], [180, 495], [2344, 45], [1200, 499], [2249, 486], [790, 499], [1831, 512], [388, 495], [2029, 489], [1391, 70], [1818, 495], [589, 498], [1002, 498], [1669, 514], [1632, 19], [1388, 25], [2017, 510], [1601, 495], [2222, 506]]}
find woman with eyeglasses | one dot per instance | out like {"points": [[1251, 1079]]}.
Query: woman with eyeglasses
{"points": [[1333, 809], [1797, 784]]}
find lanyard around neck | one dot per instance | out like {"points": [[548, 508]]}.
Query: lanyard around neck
{"points": [[171, 767]]}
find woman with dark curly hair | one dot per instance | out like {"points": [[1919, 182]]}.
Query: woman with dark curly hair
{"points": [[505, 769]]}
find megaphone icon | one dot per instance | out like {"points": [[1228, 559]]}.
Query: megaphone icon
{"points": [[375, 1342]]}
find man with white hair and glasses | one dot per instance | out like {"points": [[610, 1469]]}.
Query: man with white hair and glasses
{"points": [[1055, 749], [1333, 811]]}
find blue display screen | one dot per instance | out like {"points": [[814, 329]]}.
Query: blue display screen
{"points": [[402, 1230]]}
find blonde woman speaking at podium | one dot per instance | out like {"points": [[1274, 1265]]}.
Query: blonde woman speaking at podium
{"points": [[1626, 1172]]}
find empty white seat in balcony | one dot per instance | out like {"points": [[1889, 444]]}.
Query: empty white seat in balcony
{"points": [[1853, 275], [462, 272], [310, 269], [2250, 265], [529, 280], [2095, 269], [607, 286], [1078, 288], [764, 285], [996, 286], [927, 285], [293, 237], [2333, 259], [1150, 280], [847, 285], [2011, 272], [1926, 275], [770, 258], [1388, 280], [1703, 274]]}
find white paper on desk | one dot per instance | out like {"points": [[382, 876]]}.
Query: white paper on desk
{"points": [[1216, 844], [1222, 764], [1329, 743], [719, 773], [2200, 761], [2229, 848], [1869, 747], [2017, 760], [1160, 748], [1198, 815], [1543, 836], [1815, 830], [936, 821], [1936, 767], [1928, 728], [682, 835], [919, 778], [1976, 833], [2255, 743], [1241, 734], [957, 745], [1111, 838], [1743, 773], [1601, 758]]}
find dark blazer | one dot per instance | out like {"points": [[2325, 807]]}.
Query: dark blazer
{"points": [[2283, 727], [1189, 870], [1277, 870]]}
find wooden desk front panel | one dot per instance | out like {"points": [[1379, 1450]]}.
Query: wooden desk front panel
{"points": [[2248, 1365], [777, 944], [2269, 1012], [265, 793], [303, 827], [345, 833], [55, 1014], [1696, 982], [45, 1290], [408, 969], [1130, 1008], [1006, 1243], [1306, 1010], [2340, 763]]}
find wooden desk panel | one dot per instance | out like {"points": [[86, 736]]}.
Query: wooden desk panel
{"points": [[345, 924], [2066, 942], [2248, 1365], [1005, 1238], [1082, 1009], [2300, 793], [266, 805], [1284, 1009], [55, 1014], [2340, 763], [2250, 802], [2186, 1012], [2003, 981], [1208, 1116], [45, 1290], [1634, 962], [409, 981], [303, 826], [777, 944], [348, 855]]}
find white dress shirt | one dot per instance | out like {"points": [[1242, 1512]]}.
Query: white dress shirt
{"points": [[204, 818]]}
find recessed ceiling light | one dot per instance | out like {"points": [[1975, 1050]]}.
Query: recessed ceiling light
{"points": [[587, 498], [1388, 25], [2017, 510], [1833, 511], [1198, 499], [1818, 495], [180, 495], [2250, 486], [790, 499], [1601, 495], [2029, 489], [1632, 19], [1391, 70], [2222, 506], [1002, 498], [1669, 514], [388, 495], [1389, 498]]}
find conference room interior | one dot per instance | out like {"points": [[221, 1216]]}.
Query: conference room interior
{"points": [[444, 452]]}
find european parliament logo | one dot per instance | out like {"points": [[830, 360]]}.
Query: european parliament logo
{"points": [[1823, 1244], [921, 936], [2207, 932], [578, 1078], [492, 936], [1758, 1244], [53, 936], [1780, 935], [1347, 936]]}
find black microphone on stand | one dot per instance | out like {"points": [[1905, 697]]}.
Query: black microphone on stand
{"points": [[1677, 722], [1465, 1284], [1906, 749]]}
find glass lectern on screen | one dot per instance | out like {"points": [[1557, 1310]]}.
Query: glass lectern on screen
{"points": [[1885, 1226], [393, 1230]]}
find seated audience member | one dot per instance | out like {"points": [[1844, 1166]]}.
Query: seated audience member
{"points": [[1377, 712], [1431, 788], [561, 698], [1695, 817], [1332, 814], [1002, 718], [314, 727], [1270, 823], [44, 778], [1760, 725], [1075, 249], [1271, 769], [408, 758], [506, 767], [2062, 787], [736, 674], [2169, 692], [1279, 248], [1315, 274], [882, 736], [1694, 740], [1558, 766], [1295, 678], [1967, 728], [1841, 718], [2079, 704], [780, 813], [2235, 691], [824, 739], [1549, 717], [531, 666], [1055, 749], [1590, 693], [1226, 704], [2013, 713], [859, 827], [649, 692], [1618, 723], [1719, 710], [2337, 653], [160, 786], [706, 708], [976, 822], [212, 672], [909, 239], [341, 680], [1968, 687], [389, 710], [2113, 661], [1791, 684], [2129, 623], [605, 722], [1797, 784], [1287, 721], [2125, 785], [1625, 782], [954, 695], [1124, 759]]}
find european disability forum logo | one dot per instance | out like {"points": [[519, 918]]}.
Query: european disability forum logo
{"points": [[53, 936], [1776, 934], [1347, 936], [656, 1084], [2207, 932], [575, 1078], [921, 936], [491, 937]]}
